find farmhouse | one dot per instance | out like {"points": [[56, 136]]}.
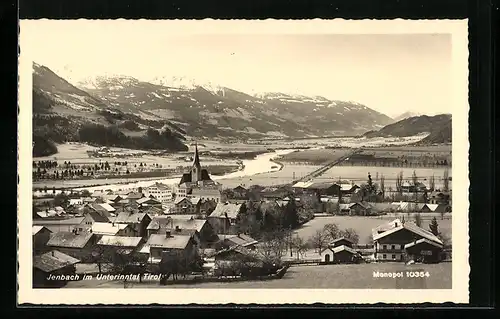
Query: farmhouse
{"points": [[240, 192], [148, 202], [113, 229], [223, 218], [238, 261], [440, 198], [77, 245], [41, 236], [161, 247], [240, 240], [183, 205], [59, 266], [342, 241], [201, 228], [390, 245], [138, 221], [81, 224], [358, 209], [120, 244], [339, 255]]}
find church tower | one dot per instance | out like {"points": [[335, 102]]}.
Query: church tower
{"points": [[196, 169]]}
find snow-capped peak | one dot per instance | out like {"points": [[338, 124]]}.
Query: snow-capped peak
{"points": [[186, 83], [107, 80]]}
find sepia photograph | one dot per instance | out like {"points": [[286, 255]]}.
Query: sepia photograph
{"points": [[243, 156]]}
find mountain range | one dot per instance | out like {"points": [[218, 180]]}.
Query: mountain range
{"points": [[187, 108], [438, 127], [406, 115]]}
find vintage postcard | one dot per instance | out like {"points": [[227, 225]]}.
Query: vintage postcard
{"points": [[240, 161]]}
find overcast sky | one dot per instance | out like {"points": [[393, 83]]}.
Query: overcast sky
{"points": [[390, 73]]}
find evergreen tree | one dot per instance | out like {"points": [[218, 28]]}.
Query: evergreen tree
{"points": [[433, 226]]}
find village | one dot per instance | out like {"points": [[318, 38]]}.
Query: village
{"points": [[197, 231]]}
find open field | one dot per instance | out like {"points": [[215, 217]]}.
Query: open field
{"points": [[76, 153], [364, 225], [285, 175], [354, 276], [314, 156]]}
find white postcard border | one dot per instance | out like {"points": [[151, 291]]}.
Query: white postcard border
{"points": [[460, 233]]}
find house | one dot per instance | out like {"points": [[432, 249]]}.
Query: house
{"points": [[103, 209], [207, 193], [390, 244], [122, 245], [152, 210], [354, 209], [339, 255], [199, 228], [41, 236], [381, 208], [347, 189], [77, 245], [240, 261], [424, 250], [324, 188], [342, 241], [183, 205], [428, 208], [46, 213], [133, 197], [167, 247], [113, 198], [240, 192], [138, 221], [440, 198], [223, 218], [159, 191], [113, 229], [241, 240], [149, 202], [56, 265], [418, 187], [81, 224]]}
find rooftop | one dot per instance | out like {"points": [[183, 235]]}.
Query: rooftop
{"points": [[171, 242], [122, 241], [226, 209], [53, 260], [100, 228], [69, 239]]}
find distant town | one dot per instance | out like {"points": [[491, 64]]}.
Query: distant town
{"points": [[197, 231]]}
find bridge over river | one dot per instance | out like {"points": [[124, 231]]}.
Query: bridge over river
{"points": [[320, 171]]}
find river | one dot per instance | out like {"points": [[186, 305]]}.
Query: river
{"points": [[260, 164]]}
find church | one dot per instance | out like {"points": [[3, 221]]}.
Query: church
{"points": [[197, 175], [197, 183]]}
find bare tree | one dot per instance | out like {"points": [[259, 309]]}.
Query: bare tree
{"points": [[446, 181], [399, 183], [418, 219], [414, 179], [351, 234], [382, 186], [332, 231], [319, 241], [432, 183], [300, 245]]}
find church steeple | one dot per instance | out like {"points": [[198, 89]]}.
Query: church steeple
{"points": [[196, 161], [196, 169]]}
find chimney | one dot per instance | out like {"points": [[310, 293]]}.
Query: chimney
{"points": [[53, 253], [192, 218], [167, 233], [396, 224]]}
